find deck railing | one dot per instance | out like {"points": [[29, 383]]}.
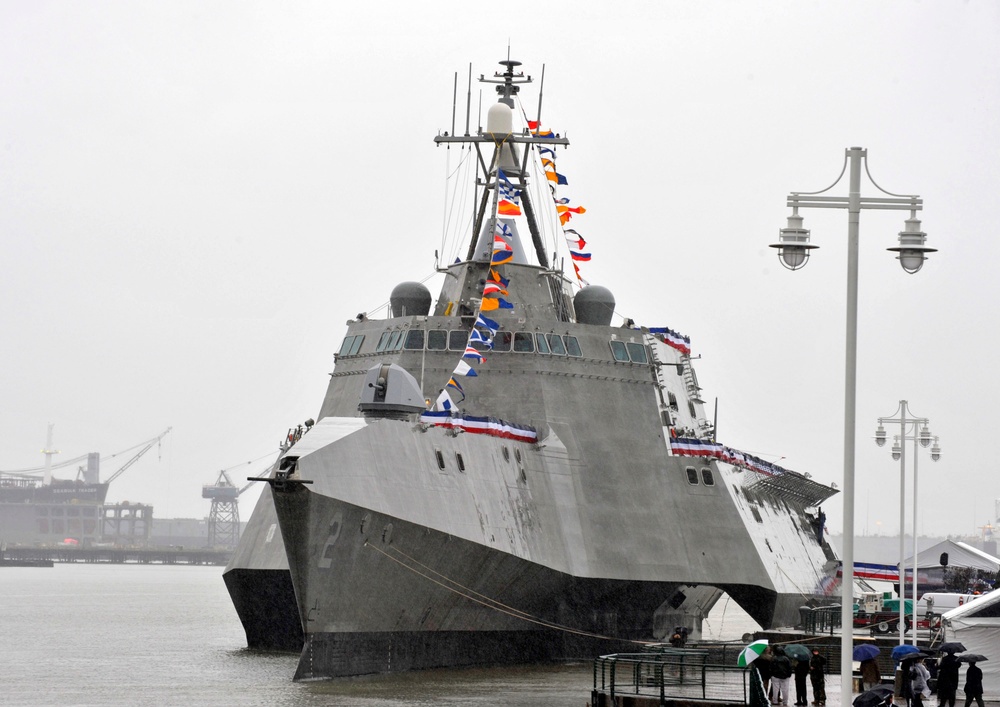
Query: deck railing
{"points": [[668, 675]]}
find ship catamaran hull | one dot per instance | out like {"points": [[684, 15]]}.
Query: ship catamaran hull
{"points": [[400, 614], [505, 576]]}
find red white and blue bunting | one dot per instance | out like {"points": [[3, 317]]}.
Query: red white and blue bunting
{"points": [[491, 426], [690, 447]]}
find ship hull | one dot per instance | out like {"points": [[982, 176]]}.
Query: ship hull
{"points": [[429, 599], [379, 594], [497, 561], [260, 584]]}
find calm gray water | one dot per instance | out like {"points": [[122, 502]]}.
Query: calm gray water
{"points": [[160, 635]]}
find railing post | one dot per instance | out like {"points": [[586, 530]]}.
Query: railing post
{"points": [[663, 693], [613, 664]]}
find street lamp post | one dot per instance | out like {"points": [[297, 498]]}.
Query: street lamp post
{"points": [[907, 421], [793, 252]]}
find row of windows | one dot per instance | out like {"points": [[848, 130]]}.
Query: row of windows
{"points": [[707, 477], [519, 342], [351, 345], [630, 351]]}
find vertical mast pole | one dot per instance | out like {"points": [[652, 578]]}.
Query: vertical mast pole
{"points": [[468, 102], [454, 103]]}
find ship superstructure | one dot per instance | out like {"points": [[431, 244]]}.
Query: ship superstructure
{"points": [[564, 498]]}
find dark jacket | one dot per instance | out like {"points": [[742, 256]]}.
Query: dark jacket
{"points": [[947, 674], [781, 667], [870, 671], [973, 680], [763, 666]]}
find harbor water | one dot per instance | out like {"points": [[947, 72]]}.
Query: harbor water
{"points": [[84, 634]]}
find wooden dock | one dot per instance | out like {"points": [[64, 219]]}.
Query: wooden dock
{"points": [[118, 555]]}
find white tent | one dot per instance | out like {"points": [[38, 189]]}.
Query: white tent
{"points": [[959, 555], [976, 625]]}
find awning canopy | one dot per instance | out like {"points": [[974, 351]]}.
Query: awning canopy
{"points": [[959, 555]]}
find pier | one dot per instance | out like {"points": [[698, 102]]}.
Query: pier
{"points": [[119, 555]]}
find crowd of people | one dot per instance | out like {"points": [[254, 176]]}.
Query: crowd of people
{"points": [[776, 670]]}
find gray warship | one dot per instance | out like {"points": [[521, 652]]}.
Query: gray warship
{"points": [[566, 498]]}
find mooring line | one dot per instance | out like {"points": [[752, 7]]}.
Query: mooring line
{"points": [[496, 605]]}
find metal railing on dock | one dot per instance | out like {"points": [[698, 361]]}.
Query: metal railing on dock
{"points": [[653, 678]]}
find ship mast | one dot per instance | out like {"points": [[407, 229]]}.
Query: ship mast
{"points": [[504, 157]]}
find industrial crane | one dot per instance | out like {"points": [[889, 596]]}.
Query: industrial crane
{"points": [[224, 517], [146, 446]]}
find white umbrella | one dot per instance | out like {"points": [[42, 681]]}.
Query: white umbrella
{"points": [[751, 652]]}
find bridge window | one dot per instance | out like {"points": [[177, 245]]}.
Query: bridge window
{"points": [[351, 345], [395, 341], [383, 340], [556, 345], [692, 475], [440, 459], [707, 477], [437, 340], [502, 341], [619, 351], [637, 352], [414, 339], [542, 345], [524, 342], [573, 346], [457, 338]]}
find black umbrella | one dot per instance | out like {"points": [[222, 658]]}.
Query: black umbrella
{"points": [[972, 658], [951, 648], [876, 696], [910, 657]]}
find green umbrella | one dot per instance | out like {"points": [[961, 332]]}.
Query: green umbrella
{"points": [[751, 652]]}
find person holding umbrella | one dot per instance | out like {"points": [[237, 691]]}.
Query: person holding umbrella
{"points": [[781, 672], [947, 679], [870, 675], [919, 675], [973, 679], [801, 670], [817, 676]]}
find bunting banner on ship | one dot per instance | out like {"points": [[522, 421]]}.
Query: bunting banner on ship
{"points": [[492, 426], [691, 447], [574, 241], [673, 339], [510, 197], [484, 328], [444, 402], [882, 573]]}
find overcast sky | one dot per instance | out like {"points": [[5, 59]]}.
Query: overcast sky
{"points": [[196, 196]]}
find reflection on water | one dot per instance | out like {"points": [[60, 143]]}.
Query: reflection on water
{"points": [[560, 685]]}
